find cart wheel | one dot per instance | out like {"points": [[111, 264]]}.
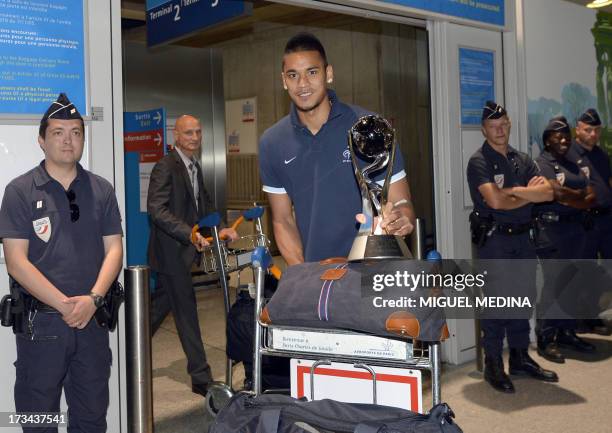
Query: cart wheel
{"points": [[217, 397]]}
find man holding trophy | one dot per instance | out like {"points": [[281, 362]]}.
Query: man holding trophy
{"points": [[308, 167]]}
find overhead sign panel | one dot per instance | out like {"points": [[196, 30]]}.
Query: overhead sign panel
{"points": [[484, 11], [168, 20], [41, 54]]}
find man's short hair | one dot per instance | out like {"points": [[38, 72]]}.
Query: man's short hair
{"points": [[305, 42], [44, 124]]}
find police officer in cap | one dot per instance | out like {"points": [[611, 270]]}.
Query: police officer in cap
{"points": [[595, 163], [563, 236], [504, 183], [62, 237]]}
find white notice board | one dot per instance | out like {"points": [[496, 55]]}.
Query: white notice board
{"points": [[241, 126]]}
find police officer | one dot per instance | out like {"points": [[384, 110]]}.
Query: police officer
{"points": [[504, 183], [62, 237], [563, 236], [595, 162]]}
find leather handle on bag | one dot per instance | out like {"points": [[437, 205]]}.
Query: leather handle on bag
{"points": [[333, 261]]}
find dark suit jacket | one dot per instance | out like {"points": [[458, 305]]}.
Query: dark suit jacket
{"points": [[172, 211]]}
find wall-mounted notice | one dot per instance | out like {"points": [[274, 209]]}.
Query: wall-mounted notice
{"points": [[41, 54], [477, 83], [144, 137], [241, 126]]}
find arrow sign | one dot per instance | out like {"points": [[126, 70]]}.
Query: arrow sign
{"points": [[158, 138], [157, 117]]}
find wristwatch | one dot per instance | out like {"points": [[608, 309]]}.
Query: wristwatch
{"points": [[97, 299]]}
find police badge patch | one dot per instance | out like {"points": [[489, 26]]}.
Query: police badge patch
{"points": [[561, 178], [586, 171], [42, 228], [499, 180]]}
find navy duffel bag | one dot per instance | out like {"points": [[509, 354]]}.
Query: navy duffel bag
{"points": [[273, 413], [331, 294]]}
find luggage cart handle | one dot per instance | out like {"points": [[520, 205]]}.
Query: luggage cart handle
{"points": [[313, 367], [373, 373], [215, 220], [261, 259], [209, 221]]}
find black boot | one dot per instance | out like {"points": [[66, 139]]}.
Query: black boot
{"points": [[593, 326], [495, 375], [568, 338], [548, 349], [522, 363]]}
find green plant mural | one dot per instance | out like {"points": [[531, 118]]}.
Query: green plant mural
{"points": [[602, 33], [576, 98]]}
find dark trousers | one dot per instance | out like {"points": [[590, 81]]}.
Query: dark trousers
{"points": [[77, 360], [175, 293], [564, 241], [504, 247], [599, 238], [598, 243]]}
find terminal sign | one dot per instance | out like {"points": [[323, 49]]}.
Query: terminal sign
{"points": [[169, 20]]}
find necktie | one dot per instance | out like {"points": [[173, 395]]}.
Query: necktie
{"points": [[193, 168]]}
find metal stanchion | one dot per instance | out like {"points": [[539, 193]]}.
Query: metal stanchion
{"points": [[138, 345], [436, 387], [417, 239], [477, 328]]}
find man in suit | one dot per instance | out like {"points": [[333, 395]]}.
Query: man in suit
{"points": [[176, 202]]}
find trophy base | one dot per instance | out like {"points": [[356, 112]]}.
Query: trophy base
{"points": [[378, 247]]}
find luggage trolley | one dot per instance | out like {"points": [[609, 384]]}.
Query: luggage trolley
{"points": [[223, 257], [405, 354]]}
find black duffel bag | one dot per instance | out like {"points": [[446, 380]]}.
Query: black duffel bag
{"points": [[273, 413], [331, 294]]}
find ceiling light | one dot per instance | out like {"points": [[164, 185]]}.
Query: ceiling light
{"points": [[599, 3]]}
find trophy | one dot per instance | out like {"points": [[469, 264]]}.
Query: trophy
{"points": [[371, 139]]}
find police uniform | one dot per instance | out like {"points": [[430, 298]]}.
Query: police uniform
{"points": [[65, 230], [598, 241], [507, 236], [562, 236]]}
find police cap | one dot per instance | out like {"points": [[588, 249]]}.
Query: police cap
{"points": [[62, 109], [556, 124], [590, 117], [492, 110]]}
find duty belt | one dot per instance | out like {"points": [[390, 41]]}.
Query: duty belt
{"points": [[599, 211], [513, 229], [554, 217], [33, 304]]}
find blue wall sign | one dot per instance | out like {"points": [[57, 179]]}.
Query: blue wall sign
{"points": [[144, 138], [485, 11], [476, 83], [42, 53], [168, 20]]}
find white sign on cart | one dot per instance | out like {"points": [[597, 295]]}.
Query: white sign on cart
{"points": [[396, 387]]}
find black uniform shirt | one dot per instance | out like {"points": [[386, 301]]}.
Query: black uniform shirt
{"points": [[596, 165], [69, 254], [567, 173], [488, 165]]}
